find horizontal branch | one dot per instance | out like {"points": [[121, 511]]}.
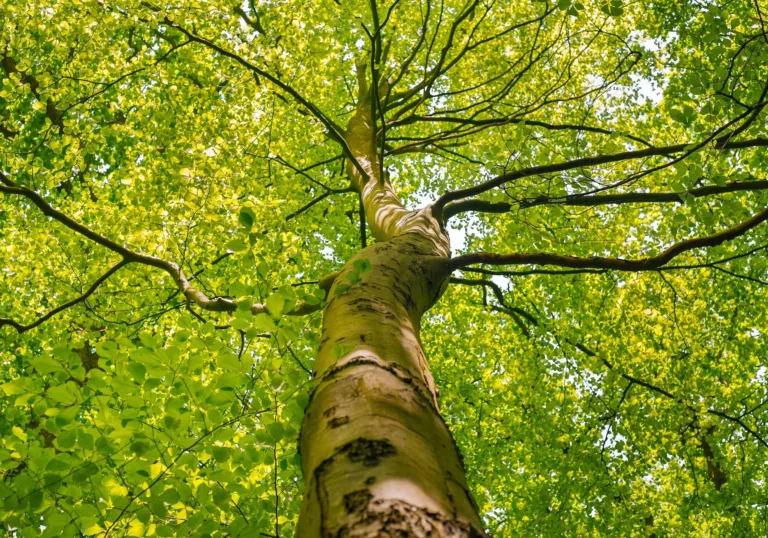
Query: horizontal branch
{"points": [[618, 264], [584, 162], [483, 206], [21, 328], [563, 272], [528, 272], [192, 294]]}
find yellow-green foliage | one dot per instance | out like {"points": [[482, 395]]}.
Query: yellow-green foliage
{"points": [[608, 405]]}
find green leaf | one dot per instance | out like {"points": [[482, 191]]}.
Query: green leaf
{"points": [[64, 394], [58, 464], [18, 432], [66, 440], [340, 289], [236, 245], [264, 322], [247, 217], [138, 371], [362, 265], [614, 8], [262, 269], [275, 303], [13, 388], [276, 430], [46, 365], [220, 398], [220, 454]]}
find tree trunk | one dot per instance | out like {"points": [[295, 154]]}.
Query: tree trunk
{"points": [[378, 459]]}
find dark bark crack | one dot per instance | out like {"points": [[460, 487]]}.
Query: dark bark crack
{"points": [[369, 452]]}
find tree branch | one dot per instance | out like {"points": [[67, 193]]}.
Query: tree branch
{"points": [[316, 200], [216, 304], [483, 206], [498, 122], [618, 264], [712, 265], [668, 394], [584, 162], [513, 312], [53, 113], [254, 22], [635, 380], [21, 328], [316, 112], [361, 216]]}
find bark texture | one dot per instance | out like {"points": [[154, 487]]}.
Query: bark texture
{"points": [[378, 460]]}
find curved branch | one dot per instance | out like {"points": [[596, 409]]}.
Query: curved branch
{"points": [[515, 313], [483, 206], [618, 264], [584, 162], [711, 265], [333, 129], [21, 328], [491, 272], [316, 200], [192, 294], [636, 380]]}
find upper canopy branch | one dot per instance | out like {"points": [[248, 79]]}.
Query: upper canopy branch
{"points": [[484, 206], [192, 294], [499, 122], [331, 126], [422, 90], [618, 264], [583, 162]]}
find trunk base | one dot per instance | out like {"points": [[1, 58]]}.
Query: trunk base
{"points": [[399, 519]]}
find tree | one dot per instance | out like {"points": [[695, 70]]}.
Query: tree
{"points": [[227, 232]]}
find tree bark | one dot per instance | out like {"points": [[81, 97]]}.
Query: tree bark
{"points": [[378, 459]]}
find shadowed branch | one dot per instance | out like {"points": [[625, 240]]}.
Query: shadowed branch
{"points": [[618, 264], [483, 206], [584, 162]]}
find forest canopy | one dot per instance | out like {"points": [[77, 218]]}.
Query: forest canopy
{"points": [[493, 266]]}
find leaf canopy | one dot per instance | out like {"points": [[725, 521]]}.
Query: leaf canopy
{"points": [[206, 133]]}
